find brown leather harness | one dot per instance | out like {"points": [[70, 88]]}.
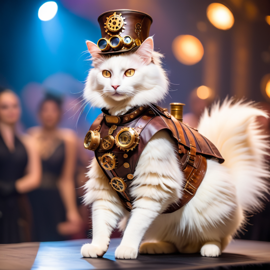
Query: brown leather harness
{"points": [[192, 147]]}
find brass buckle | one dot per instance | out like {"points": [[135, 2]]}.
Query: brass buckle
{"points": [[189, 188]]}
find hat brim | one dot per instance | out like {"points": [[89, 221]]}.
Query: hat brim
{"points": [[120, 51]]}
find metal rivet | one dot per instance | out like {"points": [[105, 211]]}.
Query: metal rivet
{"points": [[125, 155], [130, 176], [132, 116], [126, 165]]}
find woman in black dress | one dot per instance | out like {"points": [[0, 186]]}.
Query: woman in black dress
{"points": [[54, 203], [19, 172]]}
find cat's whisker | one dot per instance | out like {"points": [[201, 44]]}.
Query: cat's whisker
{"points": [[81, 104], [79, 116], [156, 111], [84, 104], [91, 106], [80, 101]]}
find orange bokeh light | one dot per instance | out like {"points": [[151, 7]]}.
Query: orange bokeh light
{"points": [[267, 18], [187, 49], [265, 86], [220, 16], [267, 89], [204, 92]]}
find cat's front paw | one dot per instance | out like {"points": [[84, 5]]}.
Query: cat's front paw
{"points": [[91, 251], [124, 252], [210, 250]]}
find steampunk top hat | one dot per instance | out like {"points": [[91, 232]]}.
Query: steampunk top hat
{"points": [[122, 30]]}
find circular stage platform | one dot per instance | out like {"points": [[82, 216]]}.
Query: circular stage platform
{"points": [[240, 254]]}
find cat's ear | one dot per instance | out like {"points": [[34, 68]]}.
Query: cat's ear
{"points": [[146, 49], [94, 51]]}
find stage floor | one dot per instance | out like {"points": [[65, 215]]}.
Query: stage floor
{"points": [[240, 254]]}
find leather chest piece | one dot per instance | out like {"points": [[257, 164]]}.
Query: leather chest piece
{"points": [[117, 151], [118, 142]]}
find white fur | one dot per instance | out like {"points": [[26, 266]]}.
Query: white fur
{"points": [[148, 85], [209, 221]]}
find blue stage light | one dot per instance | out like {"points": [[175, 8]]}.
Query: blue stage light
{"points": [[47, 11]]}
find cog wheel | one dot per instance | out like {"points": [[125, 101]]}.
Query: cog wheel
{"points": [[127, 139], [107, 142], [108, 161], [115, 23], [118, 184]]}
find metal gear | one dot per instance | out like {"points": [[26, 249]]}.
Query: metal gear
{"points": [[118, 184], [114, 23], [108, 161], [127, 139]]}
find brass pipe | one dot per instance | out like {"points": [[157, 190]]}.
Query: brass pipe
{"points": [[177, 110]]}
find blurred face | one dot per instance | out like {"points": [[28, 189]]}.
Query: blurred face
{"points": [[49, 114], [10, 110]]}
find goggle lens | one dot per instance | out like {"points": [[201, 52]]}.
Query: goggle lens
{"points": [[115, 41], [127, 40], [102, 44]]}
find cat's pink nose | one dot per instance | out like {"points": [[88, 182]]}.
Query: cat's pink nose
{"points": [[115, 86]]}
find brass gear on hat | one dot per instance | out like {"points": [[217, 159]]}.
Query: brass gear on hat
{"points": [[115, 23]]}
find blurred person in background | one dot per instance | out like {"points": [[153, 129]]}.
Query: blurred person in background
{"points": [[19, 172], [54, 204]]}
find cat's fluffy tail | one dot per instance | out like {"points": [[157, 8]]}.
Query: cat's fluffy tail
{"points": [[232, 127]]}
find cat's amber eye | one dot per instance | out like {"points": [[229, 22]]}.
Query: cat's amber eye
{"points": [[106, 73], [130, 72]]}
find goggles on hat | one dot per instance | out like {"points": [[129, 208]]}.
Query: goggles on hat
{"points": [[117, 42]]}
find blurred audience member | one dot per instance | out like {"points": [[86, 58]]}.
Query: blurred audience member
{"points": [[197, 107], [54, 204], [19, 172]]}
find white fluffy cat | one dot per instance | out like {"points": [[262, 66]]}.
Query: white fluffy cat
{"points": [[209, 221]]}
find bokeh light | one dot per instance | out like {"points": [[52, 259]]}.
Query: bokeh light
{"points": [[187, 49], [267, 88], [204, 92], [47, 11], [267, 18], [220, 16]]}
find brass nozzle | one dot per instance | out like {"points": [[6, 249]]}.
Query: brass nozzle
{"points": [[177, 110]]}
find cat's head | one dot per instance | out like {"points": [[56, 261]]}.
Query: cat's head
{"points": [[120, 82]]}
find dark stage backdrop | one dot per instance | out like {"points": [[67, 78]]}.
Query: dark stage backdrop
{"points": [[36, 55]]}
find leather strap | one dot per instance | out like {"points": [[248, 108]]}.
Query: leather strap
{"points": [[97, 123], [123, 119], [194, 177], [142, 122]]}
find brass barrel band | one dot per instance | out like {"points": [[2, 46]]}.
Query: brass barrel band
{"points": [[177, 110], [92, 140]]}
